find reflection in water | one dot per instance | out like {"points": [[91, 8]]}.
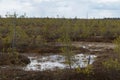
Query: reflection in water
{"points": [[57, 61]]}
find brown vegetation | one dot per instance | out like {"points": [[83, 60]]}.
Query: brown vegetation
{"points": [[7, 59], [34, 35]]}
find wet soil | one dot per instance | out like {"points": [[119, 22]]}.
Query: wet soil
{"points": [[10, 59], [104, 51], [77, 47]]}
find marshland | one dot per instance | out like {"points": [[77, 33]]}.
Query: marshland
{"points": [[59, 49]]}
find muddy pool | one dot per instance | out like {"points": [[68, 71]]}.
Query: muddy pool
{"points": [[51, 62]]}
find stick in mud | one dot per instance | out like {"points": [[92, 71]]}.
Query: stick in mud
{"points": [[89, 59]]}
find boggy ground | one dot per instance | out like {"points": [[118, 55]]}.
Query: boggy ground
{"points": [[104, 51], [7, 59]]}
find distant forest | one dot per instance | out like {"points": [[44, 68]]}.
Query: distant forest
{"points": [[34, 32]]}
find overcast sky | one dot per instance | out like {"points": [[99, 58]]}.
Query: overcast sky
{"points": [[63, 8]]}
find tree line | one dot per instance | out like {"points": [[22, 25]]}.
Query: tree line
{"points": [[34, 32]]}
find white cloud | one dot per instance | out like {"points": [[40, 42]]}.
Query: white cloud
{"points": [[107, 1], [15, 6], [66, 8], [38, 1], [5, 5]]}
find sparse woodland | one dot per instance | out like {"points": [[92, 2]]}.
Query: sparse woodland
{"points": [[35, 35], [34, 32]]}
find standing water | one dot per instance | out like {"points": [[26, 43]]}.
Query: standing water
{"points": [[40, 63]]}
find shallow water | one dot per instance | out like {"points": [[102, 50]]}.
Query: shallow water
{"points": [[51, 62]]}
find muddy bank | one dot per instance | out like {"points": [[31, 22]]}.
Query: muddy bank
{"points": [[10, 59], [109, 72], [55, 49], [13, 74], [96, 39], [97, 48], [104, 51], [77, 47]]}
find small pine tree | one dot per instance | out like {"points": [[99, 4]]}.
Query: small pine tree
{"points": [[67, 49]]}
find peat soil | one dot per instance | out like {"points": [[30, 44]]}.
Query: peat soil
{"points": [[103, 51]]}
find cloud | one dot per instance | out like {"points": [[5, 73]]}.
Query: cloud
{"points": [[15, 6], [66, 8], [106, 1], [107, 6]]}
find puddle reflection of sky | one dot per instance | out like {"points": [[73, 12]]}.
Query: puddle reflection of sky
{"points": [[57, 61]]}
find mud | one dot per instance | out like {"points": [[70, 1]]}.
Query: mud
{"points": [[102, 50]]}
